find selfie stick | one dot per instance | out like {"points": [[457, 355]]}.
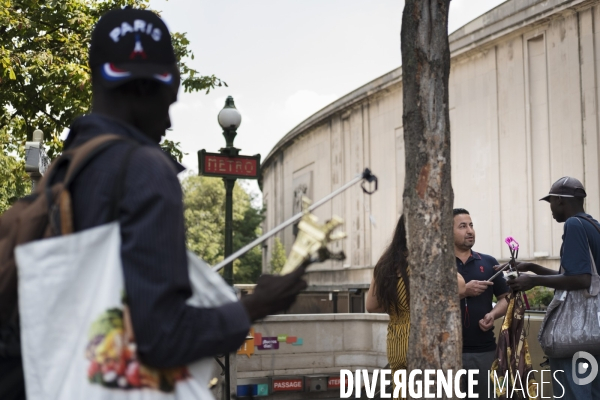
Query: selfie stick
{"points": [[502, 269], [366, 175]]}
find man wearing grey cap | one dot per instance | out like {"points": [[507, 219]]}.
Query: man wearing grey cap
{"points": [[581, 238]]}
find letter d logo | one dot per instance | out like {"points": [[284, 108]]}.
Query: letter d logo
{"points": [[591, 361]]}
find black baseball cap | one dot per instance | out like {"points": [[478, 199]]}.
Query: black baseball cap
{"points": [[566, 187], [131, 44]]}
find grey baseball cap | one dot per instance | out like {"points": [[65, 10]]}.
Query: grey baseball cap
{"points": [[566, 187]]}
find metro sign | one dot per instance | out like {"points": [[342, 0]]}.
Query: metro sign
{"points": [[288, 385], [224, 166]]}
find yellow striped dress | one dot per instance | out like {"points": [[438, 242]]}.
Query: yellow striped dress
{"points": [[398, 330]]}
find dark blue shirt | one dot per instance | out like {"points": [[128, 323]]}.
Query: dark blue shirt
{"points": [[574, 253], [479, 267], [168, 331]]}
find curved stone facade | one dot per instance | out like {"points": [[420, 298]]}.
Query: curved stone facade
{"points": [[523, 110]]}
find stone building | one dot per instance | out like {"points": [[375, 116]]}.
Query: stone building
{"points": [[523, 111]]}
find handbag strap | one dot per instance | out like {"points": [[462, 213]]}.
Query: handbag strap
{"points": [[594, 269], [594, 288], [590, 221]]}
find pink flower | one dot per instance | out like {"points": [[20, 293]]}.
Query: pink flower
{"points": [[512, 243]]}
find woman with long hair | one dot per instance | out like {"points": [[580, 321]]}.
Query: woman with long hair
{"points": [[389, 292]]}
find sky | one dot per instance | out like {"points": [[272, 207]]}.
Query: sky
{"points": [[283, 60]]}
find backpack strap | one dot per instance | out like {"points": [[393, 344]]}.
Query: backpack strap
{"points": [[86, 152], [75, 161], [78, 158]]}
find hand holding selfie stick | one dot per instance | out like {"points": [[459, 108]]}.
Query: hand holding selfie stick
{"points": [[312, 240], [503, 268], [513, 245]]}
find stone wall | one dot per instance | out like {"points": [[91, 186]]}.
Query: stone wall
{"points": [[330, 342], [342, 341]]}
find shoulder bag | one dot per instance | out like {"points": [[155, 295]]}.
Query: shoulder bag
{"points": [[572, 321]]}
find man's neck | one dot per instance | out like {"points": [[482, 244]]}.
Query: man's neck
{"points": [[462, 254], [113, 107], [574, 211], [112, 114]]}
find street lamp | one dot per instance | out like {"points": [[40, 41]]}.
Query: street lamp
{"points": [[230, 119], [229, 165], [36, 160]]}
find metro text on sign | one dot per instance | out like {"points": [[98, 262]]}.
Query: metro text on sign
{"points": [[213, 164]]}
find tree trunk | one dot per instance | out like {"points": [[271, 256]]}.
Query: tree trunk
{"points": [[435, 328]]}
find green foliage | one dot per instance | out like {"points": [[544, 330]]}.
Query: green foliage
{"points": [[278, 258], [172, 148], [191, 81], [45, 79], [204, 212], [249, 267], [14, 182], [540, 296]]}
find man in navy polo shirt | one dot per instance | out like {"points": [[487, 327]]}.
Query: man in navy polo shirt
{"points": [[566, 203], [478, 312]]}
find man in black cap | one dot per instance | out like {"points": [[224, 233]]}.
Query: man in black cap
{"points": [[135, 79], [566, 203]]}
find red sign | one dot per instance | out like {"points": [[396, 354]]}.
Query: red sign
{"points": [[215, 164], [288, 385], [333, 382]]}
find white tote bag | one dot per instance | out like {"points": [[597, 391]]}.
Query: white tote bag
{"points": [[75, 342]]}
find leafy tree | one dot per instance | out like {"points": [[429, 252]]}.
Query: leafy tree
{"points": [[204, 212], [14, 183], [249, 267], [45, 78], [278, 258]]}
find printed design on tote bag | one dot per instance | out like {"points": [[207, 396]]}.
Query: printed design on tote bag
{"points": [[113, 360]]}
